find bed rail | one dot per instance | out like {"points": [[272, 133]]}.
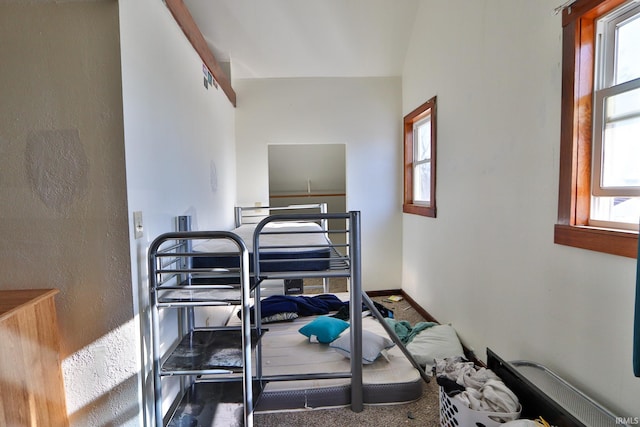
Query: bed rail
{"points": [[276, 255], [322, 258], [254, 214]]}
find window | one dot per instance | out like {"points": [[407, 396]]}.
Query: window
{"points": [[420, 160], [615, 177], [599, 193]]}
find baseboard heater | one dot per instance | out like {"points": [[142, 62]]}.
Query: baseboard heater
{"points": [[545, 394]]}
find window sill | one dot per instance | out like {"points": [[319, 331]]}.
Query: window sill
{"points": [[427, 211], [614, 242]]}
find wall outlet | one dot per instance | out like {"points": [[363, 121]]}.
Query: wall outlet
{"points": [[138, 230]]}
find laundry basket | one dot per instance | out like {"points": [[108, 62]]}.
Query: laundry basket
{"points": [[454, 413]]}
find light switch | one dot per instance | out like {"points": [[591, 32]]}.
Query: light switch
{"points": [[138, 231]]}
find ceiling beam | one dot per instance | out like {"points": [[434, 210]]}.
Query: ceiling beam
{"points": [[184, 19]]}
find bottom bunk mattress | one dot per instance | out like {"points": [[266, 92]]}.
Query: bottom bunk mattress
{"points": [[391, 378]]}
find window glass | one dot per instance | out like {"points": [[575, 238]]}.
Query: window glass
{"points": [[628, 51], [422, 186], [616, 120], [619, 210], [422, 161], [621, 141], [423, 139]]}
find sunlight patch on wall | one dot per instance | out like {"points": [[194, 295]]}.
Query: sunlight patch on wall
{"points": [[100, 367]]}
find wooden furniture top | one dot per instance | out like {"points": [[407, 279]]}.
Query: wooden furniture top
{"points": [[12, 300]]}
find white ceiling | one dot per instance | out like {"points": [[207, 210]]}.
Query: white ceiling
{"points": [[307, 38]]}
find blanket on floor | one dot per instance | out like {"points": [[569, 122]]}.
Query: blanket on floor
{"points": [[405, 331]]}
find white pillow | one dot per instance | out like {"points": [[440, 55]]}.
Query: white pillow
{"points": [[372, 345], [436, 342]]}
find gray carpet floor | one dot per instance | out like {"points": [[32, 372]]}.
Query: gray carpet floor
{"points": [[424, 412]]}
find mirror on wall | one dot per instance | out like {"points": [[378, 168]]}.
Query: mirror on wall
{"points": [[308, 173]]}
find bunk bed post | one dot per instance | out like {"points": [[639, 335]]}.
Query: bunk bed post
{"points": [[155, 330], [247, 377], [238, 216], [324, 223], [184, 224], [355, 312], [187, 319]]}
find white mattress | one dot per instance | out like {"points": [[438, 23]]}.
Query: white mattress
{"points": [[287, 351]]}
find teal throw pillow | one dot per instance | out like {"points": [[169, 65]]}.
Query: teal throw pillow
{"points": [[324, 329]]}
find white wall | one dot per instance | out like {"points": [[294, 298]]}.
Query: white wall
{"points": [[364, 114], [179, 137], [488, 262]]}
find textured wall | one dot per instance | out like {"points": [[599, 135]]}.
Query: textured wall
{"points": [[63, 215]]}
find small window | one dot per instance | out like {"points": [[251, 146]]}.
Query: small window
{"points": [[419, 160]]}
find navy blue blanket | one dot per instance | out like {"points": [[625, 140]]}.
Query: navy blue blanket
{"points": [[303, 305]]}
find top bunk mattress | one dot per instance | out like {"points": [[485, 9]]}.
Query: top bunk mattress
{"points": [[284, 246]]}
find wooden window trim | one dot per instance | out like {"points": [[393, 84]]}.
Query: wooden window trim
{"points": [[574, 199], [408, 206]]}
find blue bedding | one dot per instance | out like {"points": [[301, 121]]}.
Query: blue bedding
{"points": [[303, 305]]}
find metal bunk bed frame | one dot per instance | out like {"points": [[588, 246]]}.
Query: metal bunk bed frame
{"points": [[167, 263], [342, 265], [242, 217]]}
